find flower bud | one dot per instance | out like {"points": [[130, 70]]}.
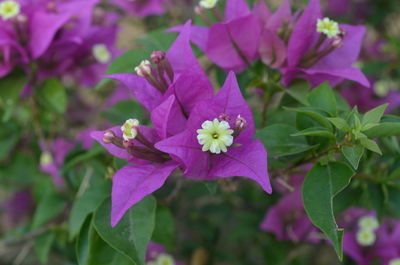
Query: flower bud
{"points": [[143, 69], [108, 137], [22, 19], [224, 117], [240, 123], [198, 10], [157, 56]]}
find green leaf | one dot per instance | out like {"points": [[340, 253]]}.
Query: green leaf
{"points": [[157, 40], [165, 227], [299, 91], [374, 115], [132, 234], [313, 114], [320, 186], [91, 249], [123, 110], [340, 123], [52, 95], [370, 145], [43, 245], [353, 154], [384, 129], [10, 89], [323, 97], [49, 206], [86, 204], [316, 131], [279, 142]]}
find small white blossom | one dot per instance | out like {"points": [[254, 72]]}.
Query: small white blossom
{"points": [[129, 130], [9, 9], [215, 136], [328, 27]]}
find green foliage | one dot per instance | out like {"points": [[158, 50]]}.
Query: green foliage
{"points": [[10, 88], [320, 186], [49, 206], [52, 95], [132, 234]]}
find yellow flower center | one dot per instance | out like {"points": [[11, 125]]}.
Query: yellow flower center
{"points": [[46, 158], [365, 237], [368, 223], [101, 53], [9, 9], [395, 262], [208, 4], [215, 136], [129, 130], [328, 27]]}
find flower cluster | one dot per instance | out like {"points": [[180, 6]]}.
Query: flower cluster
{"points": [[305, 46], [74, 39], [207, 136]]}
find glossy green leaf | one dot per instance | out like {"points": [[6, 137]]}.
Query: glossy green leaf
{"points": [[279, 142], [85, 204], [323, 97], [384, 129], [340, 123], [132, 234], [316, 131], [299, 91], [370, 145], [374, 115], [353, 154], [52, 95], [91, 249], [320, 186], [49, 206], [315, 115]]}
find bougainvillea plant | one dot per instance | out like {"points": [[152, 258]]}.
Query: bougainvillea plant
{"points": [[171, 132]]}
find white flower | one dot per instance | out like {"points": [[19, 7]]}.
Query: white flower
{"points": [[9, 9], [365, 237], [129, 130], [101, 53], [395, 262], [215, 136], [208, 4], [368, 223], [328, 27], [46, 158], [143, 68]]}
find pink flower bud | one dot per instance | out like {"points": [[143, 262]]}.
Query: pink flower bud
{"points": [[224, 117], [108, 137], [157, 56], [240, 125]]}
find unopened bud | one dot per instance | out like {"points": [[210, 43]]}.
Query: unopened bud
{"points": [[224, 117], [337, 42], [240, 123], [157, 56], [21, 19], [143, 69], [108, 137]]}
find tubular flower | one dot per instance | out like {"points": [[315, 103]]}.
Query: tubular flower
{"points": [[329, 27], [9, 9], [215, 136], [211, 148]]}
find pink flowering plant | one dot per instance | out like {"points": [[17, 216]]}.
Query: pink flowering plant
{"points": [[171, 132]]}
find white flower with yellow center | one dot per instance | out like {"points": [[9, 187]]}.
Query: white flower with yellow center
{"points": [[395, 262], [328, 27], [368, 223], [129, 130], [46, 158], [365, 237], [9, 9], [143, 68], [165, 259], [208, 4], [215, 136], [101, 53]]}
